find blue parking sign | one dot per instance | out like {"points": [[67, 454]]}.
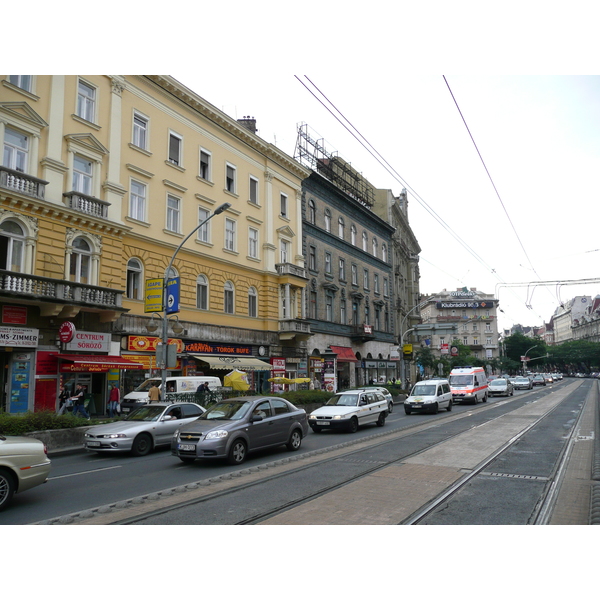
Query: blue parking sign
{"points": [[172, 296]]}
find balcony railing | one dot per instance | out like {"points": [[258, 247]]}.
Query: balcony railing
{"points": [[294, 325], [86, 204], [22, 183], [290, 269], [57, 290]]}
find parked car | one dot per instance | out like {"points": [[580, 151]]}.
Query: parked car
{"points": [[143, 429], [386, 394], [24, 464], [539, 379], [348, 410], [501, 387], [429, 395], [232, 428], [523, 383]]}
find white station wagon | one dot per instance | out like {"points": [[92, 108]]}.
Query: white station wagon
{"points": [[348, 410]]}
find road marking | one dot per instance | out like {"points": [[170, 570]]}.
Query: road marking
{"points": [[84, 472]]}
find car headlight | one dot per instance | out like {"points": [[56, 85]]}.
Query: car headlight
{"points": [[312, 416], [111, 436], [217, 435], [176, 433]]}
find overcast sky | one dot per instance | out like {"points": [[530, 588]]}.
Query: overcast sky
{"points": [[507, 165]]}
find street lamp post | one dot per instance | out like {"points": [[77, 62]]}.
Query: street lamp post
{"points": [[402, 334], [164, 338], [524, 358]]}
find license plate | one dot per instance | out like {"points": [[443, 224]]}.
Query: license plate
{"points": [[417, 406], [322, 422], [186, 447], [93, 444]]}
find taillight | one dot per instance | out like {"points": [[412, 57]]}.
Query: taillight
{"points": [[45, 450]]}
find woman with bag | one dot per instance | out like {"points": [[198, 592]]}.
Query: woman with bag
{"points": [[113, 401]]}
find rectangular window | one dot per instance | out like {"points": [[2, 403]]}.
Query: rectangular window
{"points": [[21, 81], [173, 213], [312, 305], [82, 175], [230, 235], [366, 279], [230, 178], [343, 312], [385, 286], [354, 274], [285, 251], [253, 190], [175, 146], [342, 269], [329, 308], [376, 283], [16, 149], [137, 201], [284, 205], [205, 162], [140, 131], [312, 258], [204, 231], [252, 242], [327, 262], [86, 101]]}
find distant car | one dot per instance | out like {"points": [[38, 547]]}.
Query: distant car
{"points": [[500, 387], [539, 379], [386, 394], [548, 378], [523, 383], [142, 430], [348, 410], [232, 428], [24, 464]]}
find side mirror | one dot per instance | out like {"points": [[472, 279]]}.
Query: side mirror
{"points": [[255, 418]]}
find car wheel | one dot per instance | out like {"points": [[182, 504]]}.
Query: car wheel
{"points": [[142, 445], [186, 459], [237, 453], [407, 410], [390, 407], [7, 488], [449, 407], [484, 398], [435, 408], [353, 425], [295, 441], [316, 429], [381, 419]]}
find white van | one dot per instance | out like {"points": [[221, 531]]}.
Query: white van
{"points": [[139, 396], [429, 395]]}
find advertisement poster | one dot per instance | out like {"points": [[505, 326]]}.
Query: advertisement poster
{"points": [[19, 385]]}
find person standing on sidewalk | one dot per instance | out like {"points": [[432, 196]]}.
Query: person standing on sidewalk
{"points": [[78, 400], [114, 400]]}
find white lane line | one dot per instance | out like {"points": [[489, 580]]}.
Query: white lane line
{"points": [[84, 472]]}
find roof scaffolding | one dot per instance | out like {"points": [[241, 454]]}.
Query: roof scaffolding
{"points": [[312, 154]]}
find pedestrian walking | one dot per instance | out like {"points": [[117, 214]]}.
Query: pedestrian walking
{"points": [[78, 402], [154, 393], [113, 401], [63, 400]]}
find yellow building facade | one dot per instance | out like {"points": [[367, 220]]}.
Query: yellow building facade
{"points": [[103, 178]]}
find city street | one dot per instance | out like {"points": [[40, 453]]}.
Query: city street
{"points": [[510, 449]]}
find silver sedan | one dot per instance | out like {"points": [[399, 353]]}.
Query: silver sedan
{"points": [[143, 429]]}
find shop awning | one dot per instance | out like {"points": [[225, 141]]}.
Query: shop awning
{"points": [[344, 354], [101, 360], [243, 363]]}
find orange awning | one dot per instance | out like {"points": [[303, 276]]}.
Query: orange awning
{"points": [[344, 354], [100, 360]]}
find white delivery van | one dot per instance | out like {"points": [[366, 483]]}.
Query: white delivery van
{"points": [[139, 396], [468, 384], [429, 395]]}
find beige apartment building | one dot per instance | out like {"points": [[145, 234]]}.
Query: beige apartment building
{"points": [[102, 179]]}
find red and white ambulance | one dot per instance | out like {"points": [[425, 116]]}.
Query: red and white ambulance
{"points": [[468, 384]]}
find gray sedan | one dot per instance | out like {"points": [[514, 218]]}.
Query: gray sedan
{"points": [[232, 428], [143, 429]]}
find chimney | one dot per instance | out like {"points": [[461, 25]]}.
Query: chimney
{"points": [[249, 123]]}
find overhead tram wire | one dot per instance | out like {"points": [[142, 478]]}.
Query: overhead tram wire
{"points": [[381, 160], [398, 177]]}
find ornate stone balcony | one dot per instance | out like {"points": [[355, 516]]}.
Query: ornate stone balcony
{"points": [[86, 204], [298, 329], [22, 183], [290, 269]]}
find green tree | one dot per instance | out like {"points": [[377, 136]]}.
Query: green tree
{"points": [[518, 345], [576, 356]]}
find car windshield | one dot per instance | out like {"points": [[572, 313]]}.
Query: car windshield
{"points": [[145, 413], [461, 379], [498, 383], [228, 410], [423, 390], [521, 380], [146, 385], [343, 400]]}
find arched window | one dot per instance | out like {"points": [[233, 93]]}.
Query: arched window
{"points": [[228, 297], [327, 221], [384, 253], [312, 212], [374, 245], [12, 246], [202, 292], [365, 243], [81, 261], [252, 302], [353, 235], [134, 279], [341, 227]]}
